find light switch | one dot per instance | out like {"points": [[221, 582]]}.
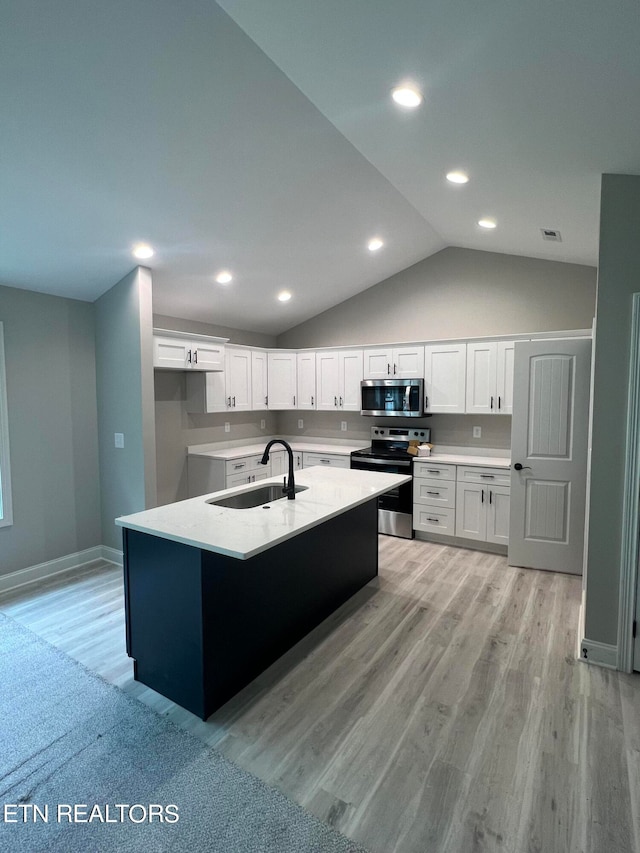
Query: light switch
{"points": [[477, 432], [300, 423], [119, 439], [263, 423], [343, 426], [227, 426]]}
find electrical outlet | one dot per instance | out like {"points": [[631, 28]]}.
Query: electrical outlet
{"points": [[119, 439], [477, 432], [263, 423], [227, 426], [343, 426], [300, 423]]}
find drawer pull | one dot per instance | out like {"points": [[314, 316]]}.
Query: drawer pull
{"points": [[241, 465], [433, 493], [435, 520], [487, 476], [326, 461], [433, 471]]}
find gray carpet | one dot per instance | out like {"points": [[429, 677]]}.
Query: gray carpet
{"points": [[67, 737]]}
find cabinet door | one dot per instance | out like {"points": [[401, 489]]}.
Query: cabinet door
{"points": [[171, 353], [444, 373], [238, 379], [279, 463], [328, 381], [471, 513], [207, 356], [498, 514], [258, 380], [377, 363], [408, 363], [350, 363], [282, 380], [504, 388], [306, 380], [482, 394], [206, 393]]}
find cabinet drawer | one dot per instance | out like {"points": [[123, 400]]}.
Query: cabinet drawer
{"points": [[441, 493], [434, 519], [485, 476], [244, 463], [327, 460], [248, 477], [434, 470]]}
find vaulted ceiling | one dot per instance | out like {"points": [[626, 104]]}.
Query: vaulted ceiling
{"points": [[260, 137]]}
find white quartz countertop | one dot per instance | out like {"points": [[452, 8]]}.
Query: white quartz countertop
{"points": [[243, 533], [464, 459], [228, 453]]}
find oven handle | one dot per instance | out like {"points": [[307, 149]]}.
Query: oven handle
{"points": [[386, 462]]}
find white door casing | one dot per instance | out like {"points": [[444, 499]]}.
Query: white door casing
{"points": [[549, 439]]}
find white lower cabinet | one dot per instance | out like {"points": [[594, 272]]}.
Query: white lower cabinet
{"points": [[434, 498], [326, 460], [482, 504], [466, 501], [205, 475]]}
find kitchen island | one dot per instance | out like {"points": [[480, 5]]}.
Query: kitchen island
{"points": [[214, 595]]}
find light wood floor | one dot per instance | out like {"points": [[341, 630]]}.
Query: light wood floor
{"points": [[441, 709]]}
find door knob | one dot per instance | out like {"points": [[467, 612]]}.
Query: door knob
{"points": [[520, 467]]}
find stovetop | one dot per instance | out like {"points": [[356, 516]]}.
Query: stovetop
{"points": [[391, 443]]}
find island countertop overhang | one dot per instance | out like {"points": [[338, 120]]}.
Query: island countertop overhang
{"points": [[243, 533]]}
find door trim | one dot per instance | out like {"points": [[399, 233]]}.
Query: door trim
{"points": [[631, 501]]}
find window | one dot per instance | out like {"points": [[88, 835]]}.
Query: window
{"points": [[6, 516]]}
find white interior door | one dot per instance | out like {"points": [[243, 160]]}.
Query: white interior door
{"points": [[549, 433]]}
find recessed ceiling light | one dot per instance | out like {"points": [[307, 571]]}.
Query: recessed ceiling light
{"points": [[284, 296], [407, 96], [457, 177], [224, 277], [142, 251], [375, 244], [487, 223]]}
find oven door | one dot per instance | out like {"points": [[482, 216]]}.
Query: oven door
{"points": [[395, 507]]}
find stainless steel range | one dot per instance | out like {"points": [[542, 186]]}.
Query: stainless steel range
{"points": [[389, 452]]}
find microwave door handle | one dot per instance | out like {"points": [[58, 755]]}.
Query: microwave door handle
{"points": [[407, 398]]}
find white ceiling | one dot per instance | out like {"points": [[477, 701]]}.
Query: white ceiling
{"points": [[268, 144]]}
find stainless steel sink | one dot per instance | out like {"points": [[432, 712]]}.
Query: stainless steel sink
{"points": [[254, 497]]}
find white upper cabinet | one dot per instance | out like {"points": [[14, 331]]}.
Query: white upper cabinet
{"points": [[258, 380], [444, 378], [306, 380], [350, 375], [490, 378], [338, 378], [186, 352], [282, 369], [394, 363], [238, 379]]}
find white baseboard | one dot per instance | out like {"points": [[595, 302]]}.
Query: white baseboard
{"points": [[602, 654], [42, 571]]}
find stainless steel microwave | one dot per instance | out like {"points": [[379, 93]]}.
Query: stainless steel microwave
{"points": [[392, 397]]}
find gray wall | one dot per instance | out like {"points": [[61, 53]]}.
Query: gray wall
{"points": [[51, 390], [458, 293], [124, 372], [618, 279], [446, 429], [236, 336]]}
